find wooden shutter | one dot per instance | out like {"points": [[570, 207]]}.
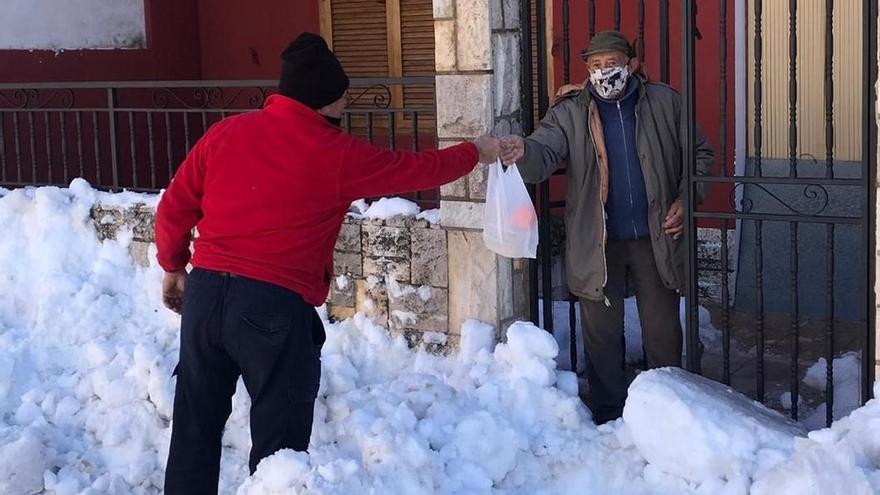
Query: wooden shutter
{"points": [[360, 36], [417, 40], [384, 38]]}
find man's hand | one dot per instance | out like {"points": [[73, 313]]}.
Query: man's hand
{"points": [[172, 290], [488, 147], [673, 224], [512, 149]]}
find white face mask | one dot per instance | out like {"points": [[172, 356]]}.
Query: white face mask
{"points": [[609, 83]]}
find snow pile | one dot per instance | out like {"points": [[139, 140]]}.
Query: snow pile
{"points": [[430, 216], [701, 430], [22, 454], [384, 208], [847, 371], [843, 459], [86, 353], [50, 24], [395, 421]]}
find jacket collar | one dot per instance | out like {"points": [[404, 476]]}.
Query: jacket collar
{"points": [[281, 105]]}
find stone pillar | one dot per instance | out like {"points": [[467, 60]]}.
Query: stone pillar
{"points": [[877, 233], [478, 92]]}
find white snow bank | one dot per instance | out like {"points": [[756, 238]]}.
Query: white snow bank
{"points": [[847, 377], [843, 459], [23, 461], [700, 430], [85, 350], [397, 421], [86, 353]]}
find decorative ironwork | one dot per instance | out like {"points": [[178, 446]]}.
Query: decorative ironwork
{"points": [[381, 100], [793, 226], [29, 98], [810, 192], [209, 98], [722, 147], [829, 229]]}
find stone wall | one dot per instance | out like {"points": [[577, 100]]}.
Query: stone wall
{"points": [[710, 264], [138, 219], [877, 232], [394, 271]]}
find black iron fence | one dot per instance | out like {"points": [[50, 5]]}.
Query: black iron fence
{"points": [[134, 135], [784, 261]]}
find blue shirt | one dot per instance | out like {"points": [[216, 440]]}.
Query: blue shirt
{"points": [[627, 206]]}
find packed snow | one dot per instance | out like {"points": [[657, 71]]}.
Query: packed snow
{"points": [[72, 24], [384, 208], [86, 353]]}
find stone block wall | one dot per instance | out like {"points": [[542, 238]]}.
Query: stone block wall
{"points": [[139, 219], [877, 232], [711, 266], [395, 272]]}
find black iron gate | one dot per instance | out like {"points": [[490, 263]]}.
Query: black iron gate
{"points": [[784, 266]]}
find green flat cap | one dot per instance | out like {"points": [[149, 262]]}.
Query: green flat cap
{"points": [[608, 41]]}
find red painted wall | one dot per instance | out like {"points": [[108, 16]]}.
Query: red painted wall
{"points": [[172, 53], [244, 40], [707, 66]]}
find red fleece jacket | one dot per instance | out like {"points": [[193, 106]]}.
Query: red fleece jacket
{"points": [[269, 190]]}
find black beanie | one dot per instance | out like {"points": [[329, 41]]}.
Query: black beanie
{"points": [[310, 73]]}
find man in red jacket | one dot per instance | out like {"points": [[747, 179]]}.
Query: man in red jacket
{"points": [[268, 192]]}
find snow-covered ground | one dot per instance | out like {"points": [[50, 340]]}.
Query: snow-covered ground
{"points": [[86, 353]]}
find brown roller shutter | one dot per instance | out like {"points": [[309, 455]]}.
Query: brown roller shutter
{"points": [[360, 36], [384, 38]]}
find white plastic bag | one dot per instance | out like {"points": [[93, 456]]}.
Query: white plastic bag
{"points": [[510, 226]]}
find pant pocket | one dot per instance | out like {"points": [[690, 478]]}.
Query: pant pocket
{"points": [[267, 322]]}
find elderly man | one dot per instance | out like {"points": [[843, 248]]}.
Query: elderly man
{"points": [[268, 192], [620, 135]]}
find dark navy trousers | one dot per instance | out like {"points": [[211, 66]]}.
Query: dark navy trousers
{"points": [[234, 326]]}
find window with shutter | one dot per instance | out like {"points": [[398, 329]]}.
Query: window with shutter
{"points": [[384, 38], [360, 36]]}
